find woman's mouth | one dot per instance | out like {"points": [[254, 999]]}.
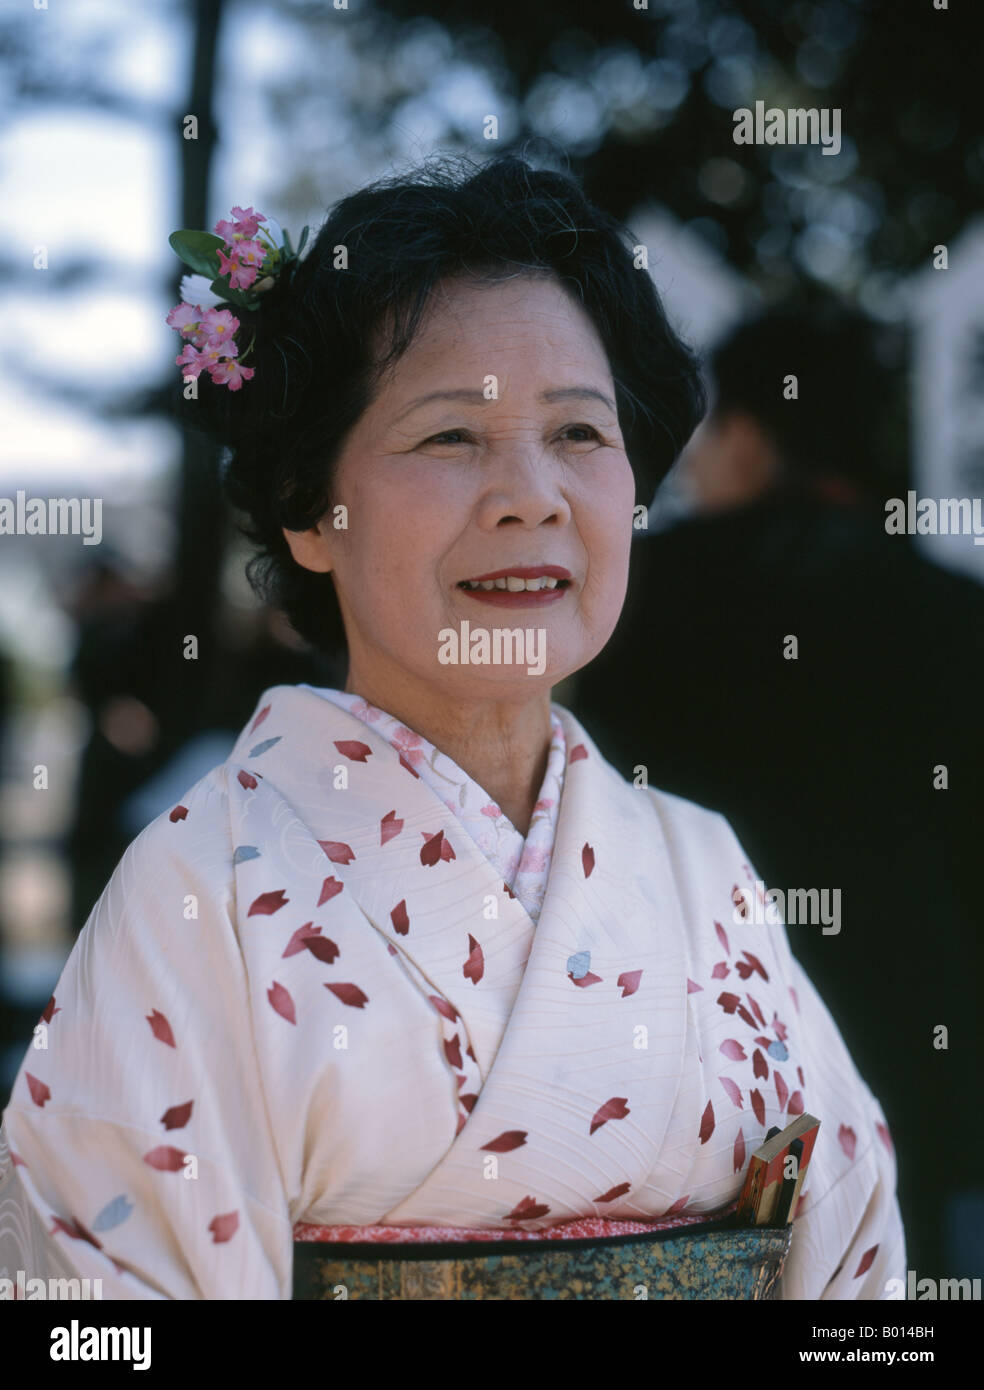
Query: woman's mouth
{"points": [[524, 587]]}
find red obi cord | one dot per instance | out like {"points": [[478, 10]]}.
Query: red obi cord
{"points": [[582, 1228]]}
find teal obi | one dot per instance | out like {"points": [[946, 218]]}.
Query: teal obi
{"points": [[711, 1260]]}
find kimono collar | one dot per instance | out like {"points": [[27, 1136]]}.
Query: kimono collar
{"points": [[343, 816], [523, 864]]}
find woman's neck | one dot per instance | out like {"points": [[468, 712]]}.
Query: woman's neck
{"points": [[501, 744]]}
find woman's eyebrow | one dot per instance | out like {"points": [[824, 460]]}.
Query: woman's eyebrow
{"points": [[567, 393], [477, 395]]}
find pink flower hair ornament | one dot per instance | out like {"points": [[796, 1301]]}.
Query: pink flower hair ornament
{"points": [[239, 265]]}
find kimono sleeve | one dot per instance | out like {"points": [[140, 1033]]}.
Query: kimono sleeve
{"points": [[137, 1148], [848, 1239]]}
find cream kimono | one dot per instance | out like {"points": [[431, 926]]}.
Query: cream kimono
{"points": [[320, 990]]}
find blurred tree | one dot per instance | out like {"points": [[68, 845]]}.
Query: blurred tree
{"points": [[643, 100], [200, 510]]}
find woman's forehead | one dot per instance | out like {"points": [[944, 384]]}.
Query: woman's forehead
{"points": [[481, 327]]}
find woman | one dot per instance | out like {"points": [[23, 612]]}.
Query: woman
{"points": [[415, 955]]}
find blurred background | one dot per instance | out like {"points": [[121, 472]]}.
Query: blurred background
{"points": [[104, 721]]}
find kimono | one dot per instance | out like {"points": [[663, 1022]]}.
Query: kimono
{"points": [[334, 987]]}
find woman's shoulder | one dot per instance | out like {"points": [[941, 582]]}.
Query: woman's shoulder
{"points": [[705, 852], [681, 813], [191, 841], [203, 812]]}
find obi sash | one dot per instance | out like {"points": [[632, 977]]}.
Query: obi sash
{"points": [[677, 1258]]}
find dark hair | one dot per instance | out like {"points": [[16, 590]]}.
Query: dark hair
{"points": [[323, 334], [848, 379]]}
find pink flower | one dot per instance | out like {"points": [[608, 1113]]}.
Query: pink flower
{"points": [[185, 318], [247, 215], [408, 744], [544, 803], [194, 360], [246, 225], [492, 811], [251, 253], [240, 276], [212, 353], [230, 373], [210, 332], [533, 859], [364, 710], [190, 360], [218, 325]]}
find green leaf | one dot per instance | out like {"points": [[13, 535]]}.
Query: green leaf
{"points": [[198, 250], [303, 241], [288, 248], [238, 298]]}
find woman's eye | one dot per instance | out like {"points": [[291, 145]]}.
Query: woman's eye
{"points": [[446, 437], [576, 434]]}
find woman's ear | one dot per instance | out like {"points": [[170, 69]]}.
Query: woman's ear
{"points": [[310, 548]]}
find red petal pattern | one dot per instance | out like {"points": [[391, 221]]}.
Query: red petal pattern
{"points": [[177, 1116], [474, 967], [165, 1159], [160, 1028], [733, 1090], [337, 851], [614, 1193], [707, 1123], [329, 889], [268, 903], [614, 1109], [867, 1260], [352, 749], [349, 994], [40, 1093], [508, 1140], [281, 1002], [739, 1154], [223, 1228], [527, 1210]]}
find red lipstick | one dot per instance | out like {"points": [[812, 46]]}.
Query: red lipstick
{"points": [[522, 598]]}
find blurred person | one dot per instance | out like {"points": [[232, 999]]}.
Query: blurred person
{"points": [[415, 922], [146, 718], [824, 756], [115, 672]]}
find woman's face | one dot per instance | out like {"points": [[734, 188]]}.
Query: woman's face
{"points": [[491, 447]]}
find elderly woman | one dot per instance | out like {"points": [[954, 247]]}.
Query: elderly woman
{"points": [[416, 956]]}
